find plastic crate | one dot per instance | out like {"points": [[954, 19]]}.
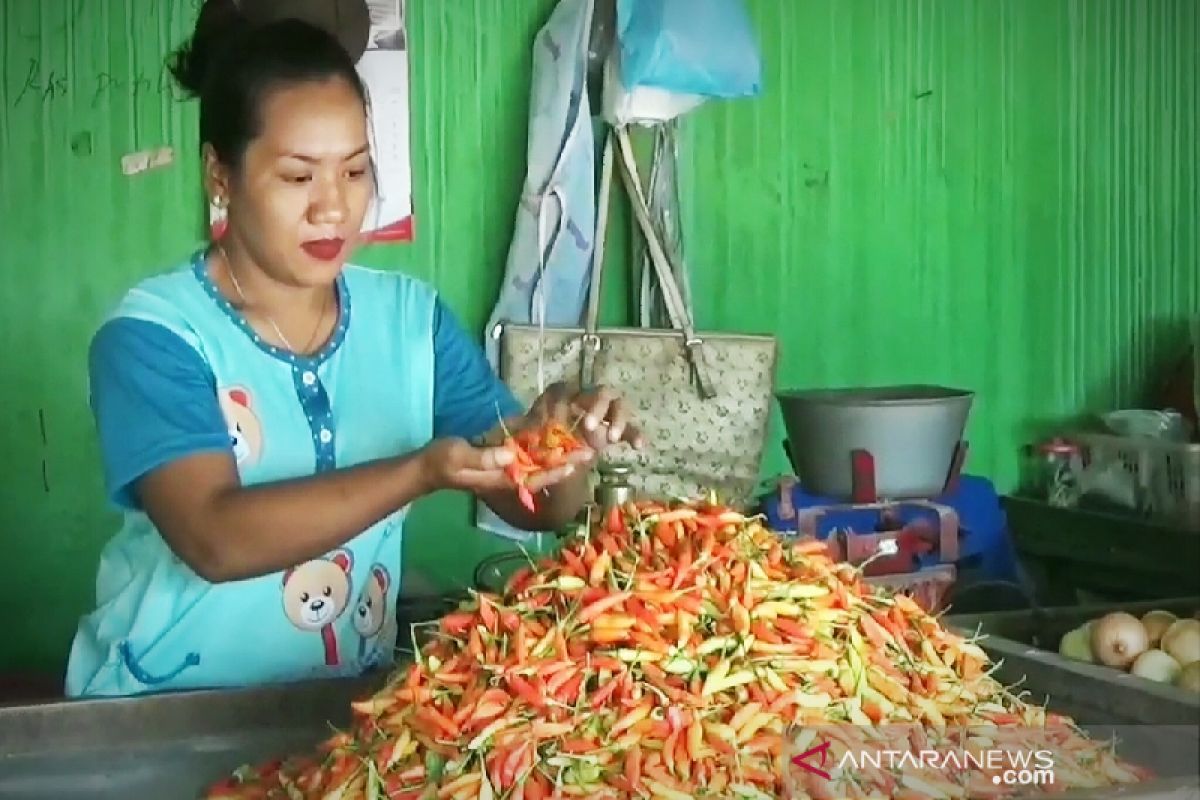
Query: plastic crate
{"points": [[928, 587], [1166, 475]]}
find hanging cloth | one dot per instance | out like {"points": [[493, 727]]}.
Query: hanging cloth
{"points": [[549, 260], [548, 270]]}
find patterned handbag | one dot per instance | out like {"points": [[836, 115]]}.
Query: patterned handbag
{"points": [[702, 399]]}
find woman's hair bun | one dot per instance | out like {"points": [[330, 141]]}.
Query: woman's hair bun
{"points": [[219, 21], [243, 49]]}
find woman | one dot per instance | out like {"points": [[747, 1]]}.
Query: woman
{"points": [[266, 414]]}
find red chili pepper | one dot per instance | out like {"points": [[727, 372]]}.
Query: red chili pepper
{"points": [[597, 608], [536, 788], [517, 762], [437, 718], [520, 579], [791, 629], [526, 497], [487, 613], [574, 562], [411, 794], [633, 767], [691, 604], [765, 634], [684, 565], [534, 451], [458, 623], [608, 543], [560, 644], [569, 692], [603, 693], [616, 521], [526, 691]]}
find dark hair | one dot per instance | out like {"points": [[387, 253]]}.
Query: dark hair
{"points": [[232, 63]]}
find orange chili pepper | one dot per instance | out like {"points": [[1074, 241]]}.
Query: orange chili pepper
{"points": [[600, 606], [633, 767], [665, 533]]}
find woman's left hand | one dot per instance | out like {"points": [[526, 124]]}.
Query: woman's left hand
{"points": [[600, 420], [598, 416]]}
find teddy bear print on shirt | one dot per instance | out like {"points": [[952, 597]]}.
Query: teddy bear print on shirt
{"points": [[315, 594], [245, 430], [371, 616]]}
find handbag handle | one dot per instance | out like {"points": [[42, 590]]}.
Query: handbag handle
{"points": [[676, 306], [546, 241], [591, 342], [679, 314]]}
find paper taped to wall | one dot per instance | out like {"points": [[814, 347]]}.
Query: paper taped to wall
{"points": [[143, 160]]}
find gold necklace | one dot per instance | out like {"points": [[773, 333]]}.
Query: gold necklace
{"points": [[270, 320]]}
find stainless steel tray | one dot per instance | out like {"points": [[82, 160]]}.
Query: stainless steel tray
{"points": [[163, 747], [174, 746], [1027, 643], [1156, 726]]}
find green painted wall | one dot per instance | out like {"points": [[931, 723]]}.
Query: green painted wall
{"points": [[1000, 195]]}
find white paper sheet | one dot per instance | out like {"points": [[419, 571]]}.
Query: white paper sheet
{"points": [[387, 25], [384, 67]]}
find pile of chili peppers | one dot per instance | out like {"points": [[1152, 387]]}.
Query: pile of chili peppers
{"points": [[536, 450], [672, 651]]}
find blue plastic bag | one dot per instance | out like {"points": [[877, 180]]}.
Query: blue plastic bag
{"points": [[698, 47]]}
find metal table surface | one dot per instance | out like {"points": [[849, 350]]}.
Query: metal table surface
{"points": [[173, 746], [162, 747]]}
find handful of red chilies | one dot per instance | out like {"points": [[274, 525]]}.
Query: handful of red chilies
{"points": [[536, 450]]}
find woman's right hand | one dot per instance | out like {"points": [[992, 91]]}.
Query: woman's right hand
{"points": [[453, 463]]}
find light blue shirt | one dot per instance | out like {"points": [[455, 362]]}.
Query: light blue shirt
{"points": [[177, 371]]}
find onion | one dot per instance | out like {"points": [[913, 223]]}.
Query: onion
{"points": [[1156, 623], [1189, 677], [1182, 641], [1118, 638], [1155, 665], [1076, 645]]}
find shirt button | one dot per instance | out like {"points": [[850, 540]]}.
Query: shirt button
{"points": [[326, 436], [308, 378]]}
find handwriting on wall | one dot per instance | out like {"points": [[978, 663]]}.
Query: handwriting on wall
{"points": [[42, 82], [45, 85]]}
